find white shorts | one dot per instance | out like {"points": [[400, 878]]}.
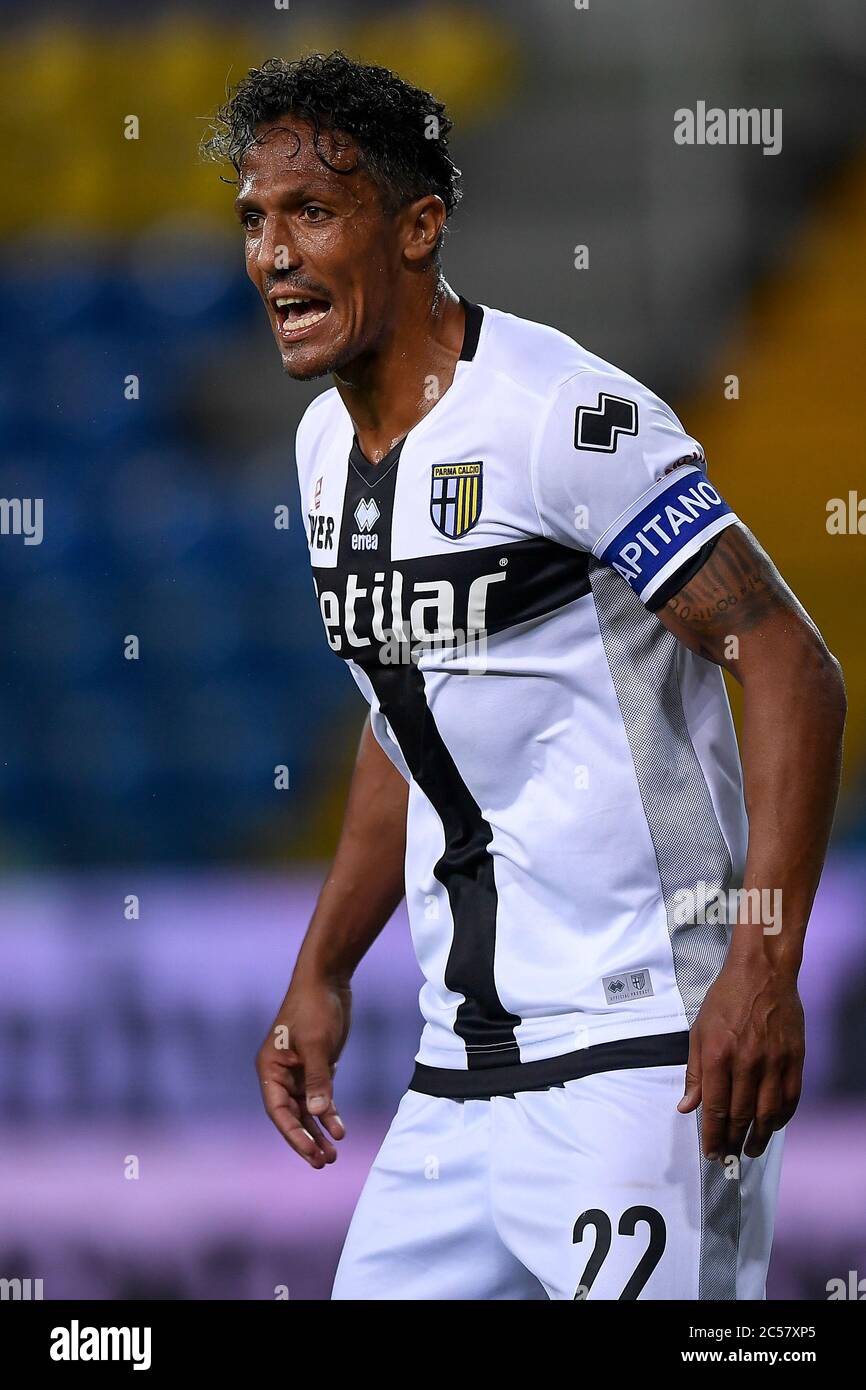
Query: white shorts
{"points": [[593, 1189]]}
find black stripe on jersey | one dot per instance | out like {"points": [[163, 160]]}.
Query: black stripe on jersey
{"points": [[655, 1050], [465, 868]]}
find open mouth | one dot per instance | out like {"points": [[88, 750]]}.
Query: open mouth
{"points": [[298, 314]]}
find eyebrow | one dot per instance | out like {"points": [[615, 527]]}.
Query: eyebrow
{"points": [[300, 193]]}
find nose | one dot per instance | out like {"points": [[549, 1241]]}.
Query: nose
{"points": [[276, 250]]}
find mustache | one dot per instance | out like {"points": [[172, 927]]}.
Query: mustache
{"points": [[295, 286]]}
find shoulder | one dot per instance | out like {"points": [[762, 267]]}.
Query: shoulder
{"points": [[558, 375], [541, 360], [316, 422]]}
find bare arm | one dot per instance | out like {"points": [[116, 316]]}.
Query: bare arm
{"points": [[363, 887], [365, 882], [747, 1043]]}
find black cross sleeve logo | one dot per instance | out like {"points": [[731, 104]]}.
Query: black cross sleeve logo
{"points": [[599, 426]]}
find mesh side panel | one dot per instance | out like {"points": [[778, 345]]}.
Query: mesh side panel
{"points": [[720, 1229], [688, 840]]}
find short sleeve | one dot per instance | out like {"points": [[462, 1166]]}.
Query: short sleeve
{"points": [[614, 473]]}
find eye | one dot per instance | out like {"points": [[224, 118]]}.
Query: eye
{"points": [[311, 212], [251, 221]]}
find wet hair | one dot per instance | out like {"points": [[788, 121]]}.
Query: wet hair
{"points": [[400, 131]]}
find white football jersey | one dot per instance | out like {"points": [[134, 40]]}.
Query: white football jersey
{"points": [[571, 766]]}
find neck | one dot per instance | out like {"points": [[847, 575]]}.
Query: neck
{"points": [[390, 389]]}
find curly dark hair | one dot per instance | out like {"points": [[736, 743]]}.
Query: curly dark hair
{"points": [[401, 132]]}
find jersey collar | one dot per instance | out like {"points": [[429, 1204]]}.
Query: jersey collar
{"points": [[472, 331]]}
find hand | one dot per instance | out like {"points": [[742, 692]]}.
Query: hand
{"points": [[296, 1063], [746, 1054]]}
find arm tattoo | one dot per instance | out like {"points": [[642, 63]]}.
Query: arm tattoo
{"points": [[734, 591]]}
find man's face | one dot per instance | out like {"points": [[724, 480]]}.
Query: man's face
{"points": [[319, 248]]}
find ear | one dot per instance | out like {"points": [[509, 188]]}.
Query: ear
{"points": [[423, 223]]}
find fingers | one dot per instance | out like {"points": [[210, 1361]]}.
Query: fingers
{"points": [[744, 1104], [319, 1091], [716, 1105], [776, 1103], [692, 1093], [330, 1120], [759, 1137], [297, 1127], [745, 1069], [745, 1081], [767, 1112], [297, 1092], [321, 1140], [709, 1084]]}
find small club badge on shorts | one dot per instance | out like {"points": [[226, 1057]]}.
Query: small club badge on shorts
{"points": [[455, 497]]}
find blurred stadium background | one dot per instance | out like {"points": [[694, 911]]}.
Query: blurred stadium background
{"points": [[124, 1037]]}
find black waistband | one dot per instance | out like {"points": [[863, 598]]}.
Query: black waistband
{"points": [[655, 1050]]}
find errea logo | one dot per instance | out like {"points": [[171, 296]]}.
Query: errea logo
{"points": [[366, 515]]}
